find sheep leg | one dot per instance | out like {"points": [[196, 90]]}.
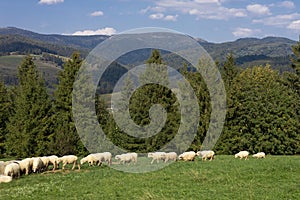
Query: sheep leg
{"points": [[74, 164]]}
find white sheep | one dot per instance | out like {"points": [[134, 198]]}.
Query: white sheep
{"points": [[5, 179], [157, 156], [45, 160], [26, 165], [90, 159], [13, 170], [127, 158], [242, 154], [187, 156], [208, 154], [259, 155], [2, 166], [37, 165], [103, 157], [69, 159], [171, 156], [53, 161]]}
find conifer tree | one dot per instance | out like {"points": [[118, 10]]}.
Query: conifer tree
{"points": [[65, 139], [28, 125], [5, 110]]}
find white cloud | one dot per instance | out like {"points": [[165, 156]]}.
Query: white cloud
{"points": [[103, 31], [153, 9], [287, 4], [295, 25], [171, 18], [97, 13], [259, 9], [278, 20], [205, 9], [245, 32], [156, 16], [50, 2], [163, 17]]}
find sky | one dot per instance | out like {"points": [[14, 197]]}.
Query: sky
{"points": [[211, 20]]}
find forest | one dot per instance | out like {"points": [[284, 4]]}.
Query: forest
{"points": [[263, 108]]}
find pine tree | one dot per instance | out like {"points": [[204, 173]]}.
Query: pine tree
{"points": [[5, 110], [295, 79], [28, 126], [154, 91], [65, 139]]}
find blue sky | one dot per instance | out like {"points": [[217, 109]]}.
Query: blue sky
{"points": [[212, 20]]}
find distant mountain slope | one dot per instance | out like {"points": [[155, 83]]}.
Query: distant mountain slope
{"points": [[247, 51], [79, 42]]}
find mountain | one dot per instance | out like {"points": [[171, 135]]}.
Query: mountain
{"points": [[79, 42], [248, 51]]}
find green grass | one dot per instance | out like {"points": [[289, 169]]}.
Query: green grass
{"points": [[276, 177]]}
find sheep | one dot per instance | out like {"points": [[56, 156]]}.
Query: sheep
{"points": [[259, 155], [53, 161], [5, 179], [2, 166], [171, 156], [25, 165], [37, 165], [242, 154], [13, 170], [127, 158], [69, 159], [90, 159], [187, 156], [103, 157], [157, 156], [45, 161], [206, 154]]}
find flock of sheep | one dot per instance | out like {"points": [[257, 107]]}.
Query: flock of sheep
{"points": [[15, 168]]}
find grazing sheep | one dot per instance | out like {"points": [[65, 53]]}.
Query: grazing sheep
{"points": [[206, 154], [45, 161], [5, 179], [13, 170], [70, 159], [127, 158], [242, 154], [103, 157], [53, 161], [171, 156], [259, 155], [2, 166], [157, 156], [37, 165], [187, 156], [25, 165], [90, 159]]}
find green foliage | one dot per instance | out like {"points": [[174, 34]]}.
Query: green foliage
{"points": [[261, 115], [28, 125], [65, 139], [5, 111]]}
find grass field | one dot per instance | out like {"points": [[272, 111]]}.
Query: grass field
{"points": [[276, 177]]}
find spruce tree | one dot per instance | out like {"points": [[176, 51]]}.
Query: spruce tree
{"points": [[5, 110], [28, 125], [65, 139]]}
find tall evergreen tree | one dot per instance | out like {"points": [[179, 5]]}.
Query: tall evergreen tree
{"points": [[28, 126], [65, 139], [5, 110]]}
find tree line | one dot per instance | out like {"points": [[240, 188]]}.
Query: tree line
{"points": [[263, 108]]}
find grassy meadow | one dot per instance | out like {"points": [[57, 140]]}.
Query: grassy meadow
{"points": [[276, 177]]}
